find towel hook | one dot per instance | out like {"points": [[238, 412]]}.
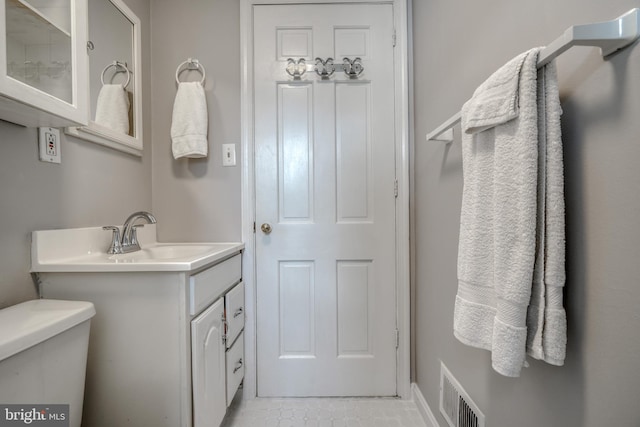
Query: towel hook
{"points": [[192, 64], [296, 69], [121, 67], [352, 69], [324, 69]]}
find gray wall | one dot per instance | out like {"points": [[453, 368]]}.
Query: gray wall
{"points": [[456, 46], [197, 199], [93, 186]]}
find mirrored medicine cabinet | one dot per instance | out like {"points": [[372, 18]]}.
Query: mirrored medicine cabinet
{"points": [[42, 70], [115, 101]]}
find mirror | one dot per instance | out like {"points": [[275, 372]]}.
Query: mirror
{"points": [[114, 78]]}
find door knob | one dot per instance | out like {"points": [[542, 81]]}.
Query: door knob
{"points": [[266, 228]]}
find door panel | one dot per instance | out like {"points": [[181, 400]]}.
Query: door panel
{"points": [[355, 308], [295, 149], [353, 141], [297, 307], [325, 173]]}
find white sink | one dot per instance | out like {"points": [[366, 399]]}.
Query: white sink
{"points": [[84, 250], [166, 251]]}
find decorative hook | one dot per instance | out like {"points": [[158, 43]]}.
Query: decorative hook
{"points": [[296, 69], [352, 69], [324, 68]]}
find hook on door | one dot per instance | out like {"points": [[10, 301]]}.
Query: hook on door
{"points": [[325, 68], [296, 69]]}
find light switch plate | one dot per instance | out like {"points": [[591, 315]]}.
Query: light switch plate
{"points": [[228, 154]]}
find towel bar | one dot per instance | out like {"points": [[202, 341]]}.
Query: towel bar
{"points": [[609, 36]]}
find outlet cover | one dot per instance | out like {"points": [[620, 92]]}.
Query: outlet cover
{"points": [[49, 142]]}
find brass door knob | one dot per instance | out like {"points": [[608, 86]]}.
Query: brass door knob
{"points": [[266, 228]]}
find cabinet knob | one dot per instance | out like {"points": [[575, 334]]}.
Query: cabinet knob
{"points": [[266, 228], [238, 366]]}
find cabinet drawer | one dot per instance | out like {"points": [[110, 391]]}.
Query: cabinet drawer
{"points": [[210, 284], [235, 367], [234, 309]]}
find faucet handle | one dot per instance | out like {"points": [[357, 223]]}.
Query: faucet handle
{"points": [[134, 235], [115, 247]]}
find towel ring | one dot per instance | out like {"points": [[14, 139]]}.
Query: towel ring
{"points": [[117, 65], [192, 64]]}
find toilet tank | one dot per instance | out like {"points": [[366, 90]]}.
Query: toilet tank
{"points": [[43, 357]]}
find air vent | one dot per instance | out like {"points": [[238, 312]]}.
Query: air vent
{"points": [[455, 405]]}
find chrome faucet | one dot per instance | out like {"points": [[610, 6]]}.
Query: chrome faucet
{"points": [[129, 241]]}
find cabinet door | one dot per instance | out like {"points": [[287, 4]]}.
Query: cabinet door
{"points": [[208, 367], [43, 62]]}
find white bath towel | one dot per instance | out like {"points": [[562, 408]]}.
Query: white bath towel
{"points": [[546, 318], [189, 122], [112, 108], [499, 219]]}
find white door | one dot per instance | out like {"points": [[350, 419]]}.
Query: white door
{"points": [[325, 178]]}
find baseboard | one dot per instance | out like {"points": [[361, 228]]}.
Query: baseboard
{"points": [[423, 407]]}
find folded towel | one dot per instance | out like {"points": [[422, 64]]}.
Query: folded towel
{"points": [[189, 122], [496, 101], [497, 250], [112, 108], [546, 318]]}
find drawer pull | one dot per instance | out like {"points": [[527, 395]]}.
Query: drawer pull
{"points": [[238, 366], [238, 312]]}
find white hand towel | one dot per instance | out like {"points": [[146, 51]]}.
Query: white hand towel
{"points": [[112, 108], [498, 220], [189, 122]]}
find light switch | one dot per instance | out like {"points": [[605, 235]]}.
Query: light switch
{"points": [[228, 154]]}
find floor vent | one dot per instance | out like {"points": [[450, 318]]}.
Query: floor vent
{"points": [[455, 404]]}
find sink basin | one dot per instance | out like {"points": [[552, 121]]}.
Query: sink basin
{"points": [[84, 250], [167, 251]]}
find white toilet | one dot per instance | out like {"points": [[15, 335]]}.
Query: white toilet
{"points": [[43, 354]]}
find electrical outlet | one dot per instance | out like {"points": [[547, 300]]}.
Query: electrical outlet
{"points": [[228, 154], [49, 140]]}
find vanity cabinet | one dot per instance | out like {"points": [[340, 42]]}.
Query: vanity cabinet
{"points": [[165, 348], [43, 62]]}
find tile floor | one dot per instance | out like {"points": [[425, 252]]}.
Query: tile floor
{"points": [[323, 412]]}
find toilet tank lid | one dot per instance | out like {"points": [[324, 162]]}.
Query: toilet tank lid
{"points": [[29, 323]]}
